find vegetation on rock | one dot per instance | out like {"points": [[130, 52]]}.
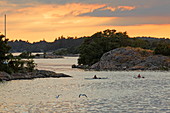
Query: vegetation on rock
{"points": [[11, 64], [163, 48], [95, 46]]}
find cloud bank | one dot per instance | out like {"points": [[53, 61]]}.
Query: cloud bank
{"points": [[38, 19]]}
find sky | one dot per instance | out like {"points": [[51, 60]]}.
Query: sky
{"points": [[35, 20]]}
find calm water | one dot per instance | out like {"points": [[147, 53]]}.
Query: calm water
{"points": [[119, 93]]}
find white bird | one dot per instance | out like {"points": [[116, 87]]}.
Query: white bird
{"points": [[82, 95]]}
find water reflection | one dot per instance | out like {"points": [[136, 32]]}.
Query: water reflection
{"points": [[120, 93]]}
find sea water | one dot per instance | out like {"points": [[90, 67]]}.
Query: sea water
{"points": [[117, 94]]}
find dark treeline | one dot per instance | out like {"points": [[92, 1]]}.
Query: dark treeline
{"points": [[72, 44], [42, 46]]}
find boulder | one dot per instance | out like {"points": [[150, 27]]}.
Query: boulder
{"points": [[129, 58]]}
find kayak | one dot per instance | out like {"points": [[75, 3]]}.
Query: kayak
{"points": [[138, 77], [96, 78]]}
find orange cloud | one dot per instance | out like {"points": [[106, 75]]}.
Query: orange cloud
{"points": [[50, 11], [7, 4], [46, 14], [50, 21], [109, 8], [124, 8], [5, 7], [40, 21]]}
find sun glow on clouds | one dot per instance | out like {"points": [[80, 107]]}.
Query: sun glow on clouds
{"points": [[109, 8], [50, 21], [71, 9], [152, 30], [37, 21], [122, 8]]}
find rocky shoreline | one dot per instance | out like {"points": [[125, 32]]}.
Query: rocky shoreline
{"points": [[128, 58], [30, 75]]}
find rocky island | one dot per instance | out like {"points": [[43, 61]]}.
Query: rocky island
{"points": [[128, 58], [15, 68], [30, 75]]}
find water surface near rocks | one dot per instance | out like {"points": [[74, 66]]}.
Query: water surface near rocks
{"points": [[119, 93]]}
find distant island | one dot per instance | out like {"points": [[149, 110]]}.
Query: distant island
{"points": [[67, 45]]}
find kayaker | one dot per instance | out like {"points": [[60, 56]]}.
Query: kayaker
{"points": [[139, 76], [95, 77]]}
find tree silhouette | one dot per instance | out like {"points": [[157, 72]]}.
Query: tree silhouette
{"points": [[93, 47], [4, 49]]}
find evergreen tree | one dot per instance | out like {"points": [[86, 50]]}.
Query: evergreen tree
{"points": [[4, 49], [95, 46], [9, 63]]}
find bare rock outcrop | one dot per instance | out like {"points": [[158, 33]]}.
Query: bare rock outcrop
{"points": [[30, 75], [4, 76], [129, 58]]}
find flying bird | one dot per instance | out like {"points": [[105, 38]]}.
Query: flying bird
{"points": [[82, 95]]}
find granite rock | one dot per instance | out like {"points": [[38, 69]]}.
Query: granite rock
{"points": [[129, 58]]}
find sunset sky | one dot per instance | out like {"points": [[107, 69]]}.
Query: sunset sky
{"points": [[35, 20]]}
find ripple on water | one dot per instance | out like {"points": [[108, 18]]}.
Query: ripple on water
{"points": [[120, 93]]}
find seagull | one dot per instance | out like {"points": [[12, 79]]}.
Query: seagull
{"points": [[82, 95], [58, 96]]}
